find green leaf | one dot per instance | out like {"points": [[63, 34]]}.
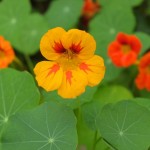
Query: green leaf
{"points": [[109, 23], [17, 92], [144, 93], [103, 96], [30, 32], [145, 40], [112, 72], [143, 101], [86, 138], [127, 3], [125, 125], [73, 103], [12, 14], [50, 126], [64, 13]]}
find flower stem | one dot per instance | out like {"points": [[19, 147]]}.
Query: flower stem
{"points": [[29, 63], [95, 141], [19, 63]]}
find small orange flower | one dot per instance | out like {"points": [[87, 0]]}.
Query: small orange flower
{"points": [[72, 64], [6, 53], [143, 79], [90, 8], [124, 50]]}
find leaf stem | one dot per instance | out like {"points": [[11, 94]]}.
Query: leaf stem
{"points": [[29, 63], [94, 141], [19, 63]]}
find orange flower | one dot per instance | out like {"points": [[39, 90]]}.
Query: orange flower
{"points": [[90, 8], [72, 64], [124, 50], [143, 79], [6, 53]]}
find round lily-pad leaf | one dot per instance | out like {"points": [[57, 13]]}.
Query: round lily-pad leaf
{"points": [[109, 23], [17, 91], [145, 40], [143, 101], [64, 13], [12, 14], [72, 103], [125, 125], [103, 96], [50, 126], [30, 32]]}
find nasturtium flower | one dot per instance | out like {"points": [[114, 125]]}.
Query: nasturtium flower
{"points": [[6, 53], [90, 8], [71, 64], [124, 50], [143, 78]]}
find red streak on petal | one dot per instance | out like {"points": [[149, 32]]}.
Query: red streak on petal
{"points": [[53, 69], [85, 67], [59, 47], [69, 76], [76, 48]]}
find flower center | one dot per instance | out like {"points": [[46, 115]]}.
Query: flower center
{"points": [[68, 60], [126, 49]]}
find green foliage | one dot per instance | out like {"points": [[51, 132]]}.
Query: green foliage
{"points": [[105, 26], [103, 96], [72, 103], [17, 92], [49, 126], [145, 40], [64, 13], [126, 3], [86, 138], [20, 27], [143, 102], [32, 29], [108, 116], [125, 125]]}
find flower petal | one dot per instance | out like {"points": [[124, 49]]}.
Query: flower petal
{"points": [[140, 81], [73, 84], [128, 59], [48, 75], [79, 42], [143, 81], [7, 54], [94, 69], [51, 46], [123, 38]]}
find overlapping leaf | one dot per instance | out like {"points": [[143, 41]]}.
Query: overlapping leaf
{"points": [[105, 26], [20, 27], [17, 92], [29, 34], [64, 13], [73, 103], [125, 125], [50, 126], [103, 96], [12, 13], [145, 40]]}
